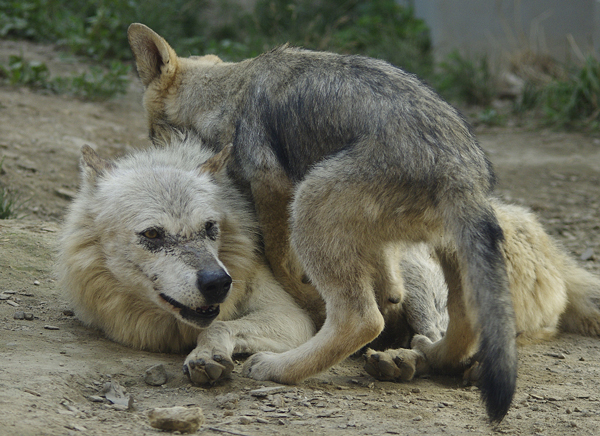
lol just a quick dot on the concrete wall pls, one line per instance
(561, 28)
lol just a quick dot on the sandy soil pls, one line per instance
(52, 369)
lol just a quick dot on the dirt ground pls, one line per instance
(52, 369)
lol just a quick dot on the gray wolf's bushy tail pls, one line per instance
(486, 285)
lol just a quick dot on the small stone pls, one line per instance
(67, 194)
(418, 418)
(277, 401)
(416, 390)
(245, 420)
(262, 420)
(96, 399)
(68, 312)
(263, 392)
(156, 375)
(4, 296)
(29, 316)
(19, 315)
(227, 401)
(12, 303)
(182, 419)
(51, 327)
(36, 282)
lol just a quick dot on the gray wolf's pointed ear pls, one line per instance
(153, 55)
(217, 164)
(92, 165)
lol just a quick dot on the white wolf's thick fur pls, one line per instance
(115, 281)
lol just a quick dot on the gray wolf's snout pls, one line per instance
(213, 285)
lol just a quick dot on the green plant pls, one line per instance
(465, 80)
(96, 84)
(379, 28)
(490, 117)
(21, 72)
(575, 101)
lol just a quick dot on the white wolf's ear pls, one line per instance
(153, 55)
(92, 165)
(217, 164)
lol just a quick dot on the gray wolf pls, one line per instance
(349, 162)
(160, 251)
(346, 157)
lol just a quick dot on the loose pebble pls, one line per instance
(156, 375)
(182, 419)
(51, 327)
(19, 315)
(263, 392)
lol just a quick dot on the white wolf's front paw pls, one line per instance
(262, 366)
(206, 368)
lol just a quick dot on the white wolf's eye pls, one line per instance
(211, 229)
(151, 234)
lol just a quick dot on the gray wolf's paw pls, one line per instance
(204, 368)
(400, 364)
(262, 366)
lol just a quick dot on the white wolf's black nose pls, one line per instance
(213, 285)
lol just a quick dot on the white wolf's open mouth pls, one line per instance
(202, 314)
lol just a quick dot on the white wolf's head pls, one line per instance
(159, 220)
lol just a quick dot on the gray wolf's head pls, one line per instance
(158, 220)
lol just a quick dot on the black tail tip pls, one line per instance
(497, 392)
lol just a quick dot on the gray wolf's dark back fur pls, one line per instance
(345, 102)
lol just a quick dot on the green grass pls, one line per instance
(99, 83)
(465, 80)
(377, 28)
(574, 102)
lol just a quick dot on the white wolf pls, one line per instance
(159, 251)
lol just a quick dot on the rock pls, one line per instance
(245, 420)
(182, 419)
(263, 392)
(227, 401)
(67, 194)
(51, 327)
(29, 316)
(19, 315)
(115, 393)
(156, 375)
